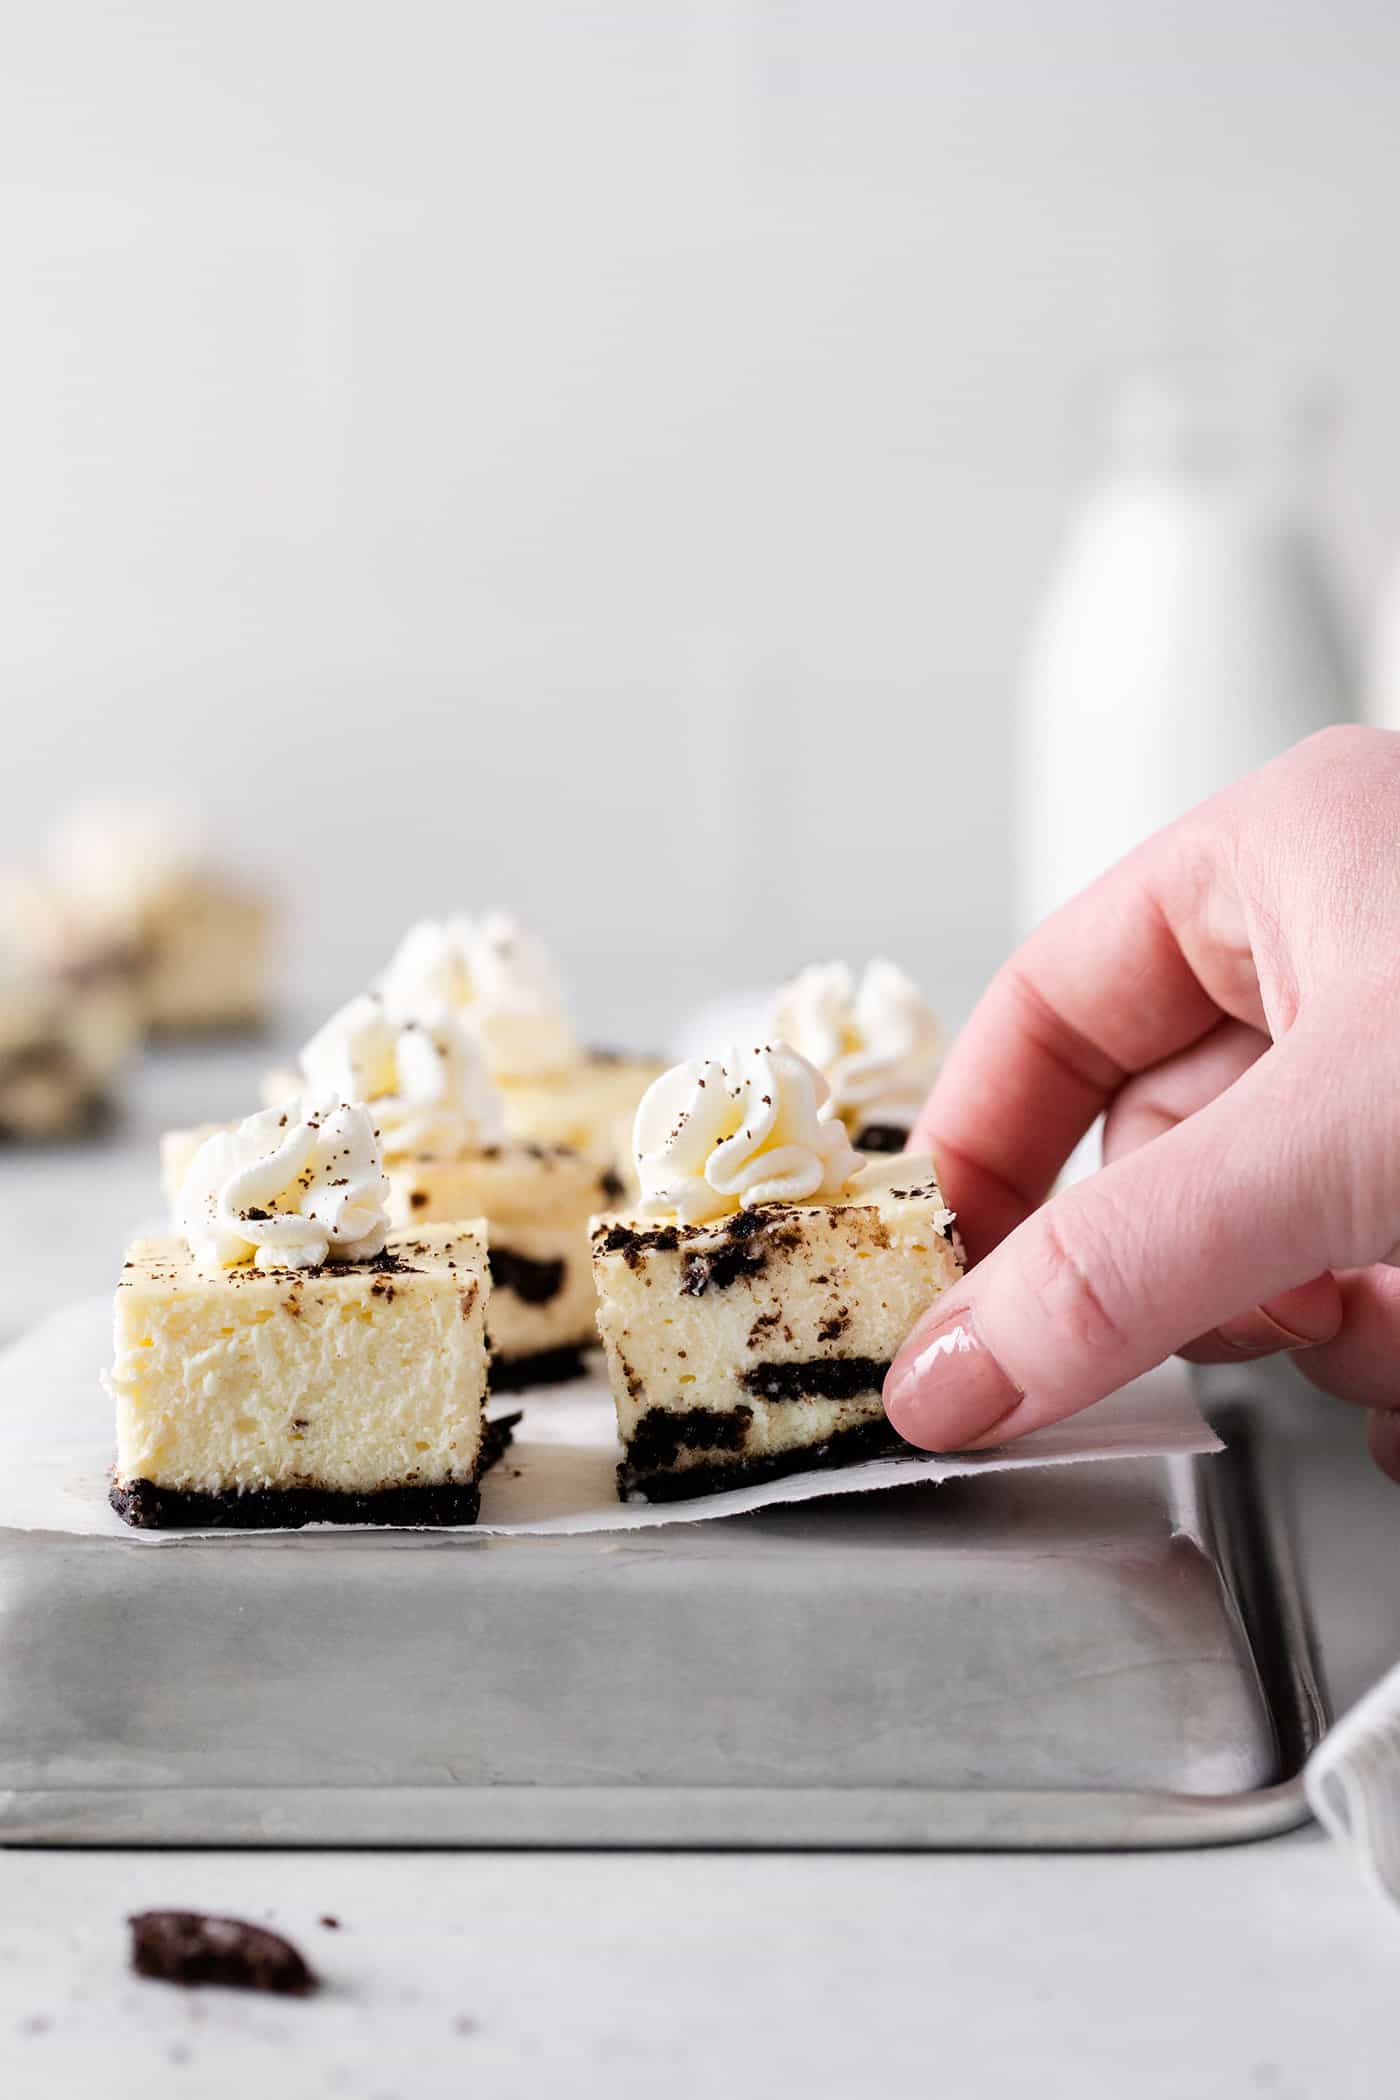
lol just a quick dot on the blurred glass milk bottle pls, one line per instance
(1188, 633)
(1383, 660)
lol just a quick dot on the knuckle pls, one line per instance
(1337, 740)
(1341, 744)
(1071, 1282)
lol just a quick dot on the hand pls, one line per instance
(1229, 995)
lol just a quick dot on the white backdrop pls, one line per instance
(601, 458)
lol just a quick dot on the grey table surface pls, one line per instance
(1264, 1969)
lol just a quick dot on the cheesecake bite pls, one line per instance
(752, 1304)
(200, 937)
(69, 1018)
(56, 1076)
(288, 1359)
(447, 1157)
(873, 1039)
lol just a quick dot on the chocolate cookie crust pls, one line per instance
(148, 1506)
(847, 1447)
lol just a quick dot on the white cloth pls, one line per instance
(1353, 1784)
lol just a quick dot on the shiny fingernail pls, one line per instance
(945, 1389)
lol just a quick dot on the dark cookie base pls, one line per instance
(147, 1506)
(184, 1946)
(847, 1447)
(514, 1374)
(150, 1507)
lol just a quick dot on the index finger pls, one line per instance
(1132, 971)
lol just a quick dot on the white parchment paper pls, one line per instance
(558, 1475)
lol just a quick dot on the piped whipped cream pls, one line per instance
(425, 1079)
(288, 1188)
(718, 1135)
(877, 1042)
(499, 982)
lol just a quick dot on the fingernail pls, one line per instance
(1257, 1333)
(945, 1389)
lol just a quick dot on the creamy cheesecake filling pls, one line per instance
(590, 1107)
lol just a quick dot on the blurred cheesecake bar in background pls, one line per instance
(289, 1359)
(447, 1156)
(873, 1039)
(752, 1303)
(56, 1073)
(200, 938)
(503, 987)
(69, 1012)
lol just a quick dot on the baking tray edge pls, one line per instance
(1243, 1500)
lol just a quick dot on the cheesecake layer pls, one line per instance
(537, 1201)
(352, 1380)
(588, 1107)
(766, 1337)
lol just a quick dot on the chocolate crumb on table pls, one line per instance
(189, 1947)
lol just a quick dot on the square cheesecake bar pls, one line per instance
(135, 872)
(347, 1392)
(757, 1344)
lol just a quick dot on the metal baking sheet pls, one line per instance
(1112, 1656)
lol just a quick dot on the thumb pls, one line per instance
(1104, 1281)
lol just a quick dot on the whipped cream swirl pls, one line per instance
(288, 1188)
(499, 982)
(877, 1042)
(724, 1134)
(431, 1093)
